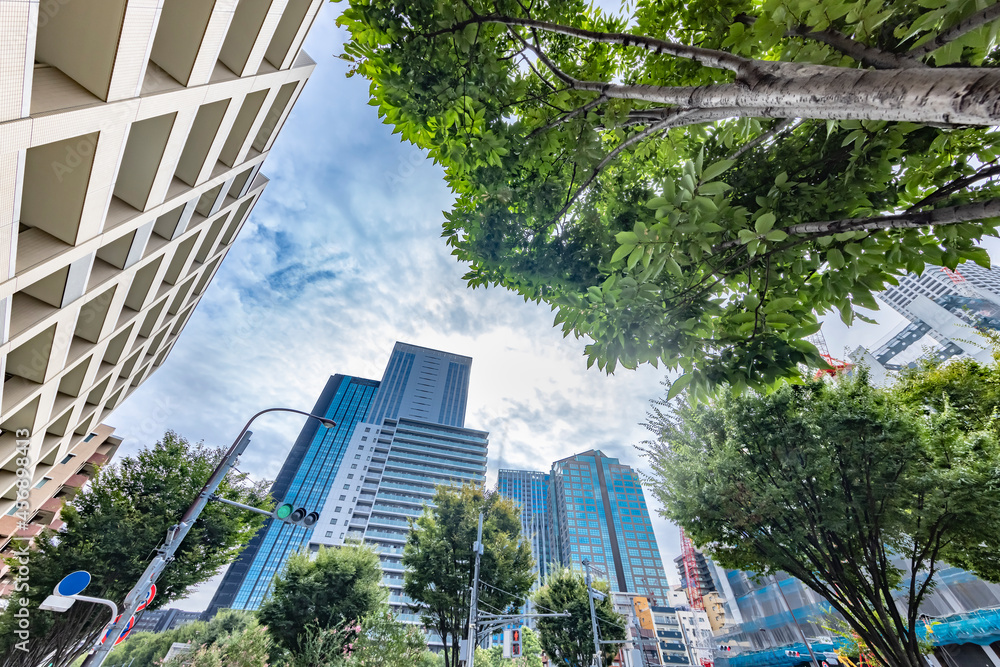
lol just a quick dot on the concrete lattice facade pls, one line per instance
(131, 138)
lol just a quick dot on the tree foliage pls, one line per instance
(569, 642)
(531, 649)
(337, 587)
(147, 649)
(698, 202)
(862, 493)
(439, 561)
(111, 530)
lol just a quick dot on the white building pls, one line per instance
(132, 134)
(947, 306)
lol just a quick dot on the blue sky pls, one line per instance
(342, 257)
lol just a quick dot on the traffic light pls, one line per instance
(792, 654)
(515, 643)
(295, 516)
(725, 648)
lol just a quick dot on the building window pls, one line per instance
(344, 497)
(354, 466)
(90, 437)
(367, 429)
(347, 486)
(357, 456)
(364, 438)
(350, 477)
(333, 522)
(338, 508)
(341, 536)
(42, 482)
(329, 533)
(69, 457)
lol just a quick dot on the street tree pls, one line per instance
(569, 642)
(111, 529)
(862, 493)
(694, 182)
(531, 649)
(336, 587)
(439, 561)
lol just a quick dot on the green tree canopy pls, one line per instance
(531, 649)
(147, 649)
(697, 202)
(569, 642)
(111, 529)
(862, 493)
(438, 559)
(338, 586)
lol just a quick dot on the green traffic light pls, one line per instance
(283, 511)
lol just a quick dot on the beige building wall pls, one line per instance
(716, 610)
(132, 134)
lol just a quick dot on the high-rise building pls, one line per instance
(702, 583)
(413, 440)
(598, 513)
(131, 139)
(946, 305)
(304, 481)
(529, 490)
(62, 480)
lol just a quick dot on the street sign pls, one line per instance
(73, 583)
(125, 632)
(149, 598)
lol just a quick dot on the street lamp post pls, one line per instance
(177, 533)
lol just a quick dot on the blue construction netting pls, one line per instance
(975, 627)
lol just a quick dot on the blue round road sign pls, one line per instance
(73, 583)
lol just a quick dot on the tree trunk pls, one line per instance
(954, 96)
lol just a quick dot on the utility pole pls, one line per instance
(477, 548)
(593, 615)
(177, 533)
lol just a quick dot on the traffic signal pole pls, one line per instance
(177, 533)
(593, 616)
(474, 602)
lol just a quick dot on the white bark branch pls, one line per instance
(943, 216)
(968, 24)
(953, 96)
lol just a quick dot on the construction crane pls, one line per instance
(836, 365)
(690, 560)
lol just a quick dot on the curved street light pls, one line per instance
(177, 533)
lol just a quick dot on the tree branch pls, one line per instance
(951, 188)
(968, 24)
(941, 216)
(569, 116)
(707, 57)
(868, 56)
(662, 125)
(770, 134)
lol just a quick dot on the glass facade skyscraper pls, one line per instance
(530, 489)
(413, 440)
(304, 481)
(598, 512)
(408, 428)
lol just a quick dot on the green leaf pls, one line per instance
(716, 169)
(764, 223)
(835, 258)
(621, 252)
(714, 188)
(678, 385)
